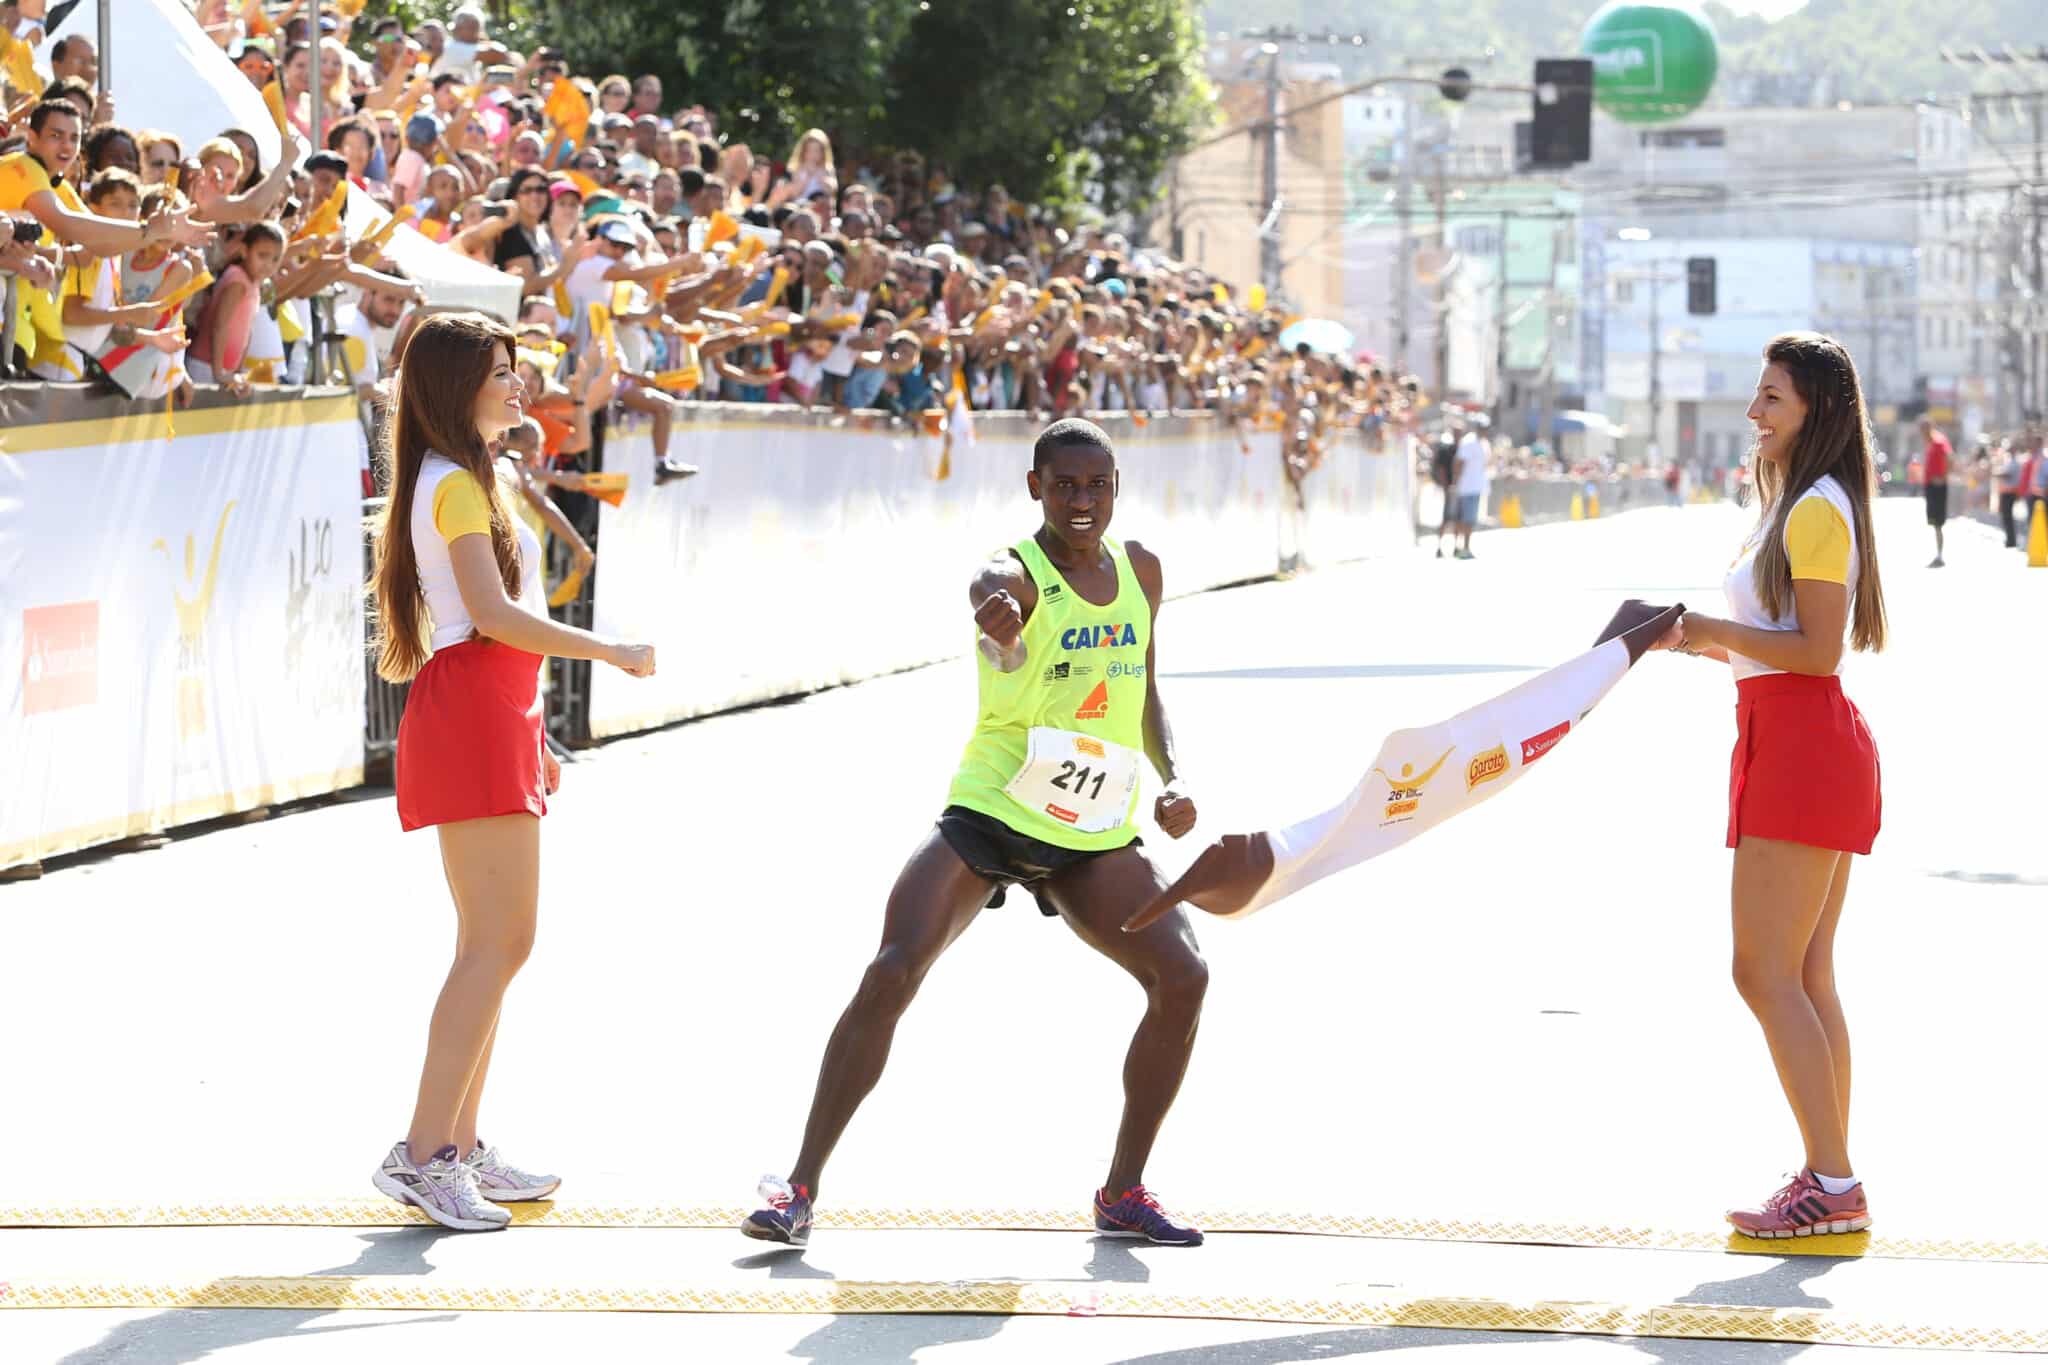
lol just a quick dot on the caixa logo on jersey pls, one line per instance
(1100, 637)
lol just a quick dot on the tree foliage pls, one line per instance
(770, 68)
(1055, 98)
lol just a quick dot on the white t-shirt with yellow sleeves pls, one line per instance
(1820, 540)
(448, 502)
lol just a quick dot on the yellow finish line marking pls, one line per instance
(1012, 1298)
(383, 1213)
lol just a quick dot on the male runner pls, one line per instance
(1046, 797)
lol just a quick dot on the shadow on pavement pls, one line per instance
(896, 1338)
(181, 1335)
(1780, 1284)
(1978, 878)
(1335, 1343)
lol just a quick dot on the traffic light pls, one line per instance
(1699, 285)
(1455, 84)
(1561, 131)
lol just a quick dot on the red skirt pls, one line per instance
(469, 743)
(1805, 767)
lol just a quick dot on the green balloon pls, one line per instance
(1651, 62)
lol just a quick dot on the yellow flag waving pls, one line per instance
(18, 61)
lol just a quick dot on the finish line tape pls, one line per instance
(379, 1213)
(1015, 1298)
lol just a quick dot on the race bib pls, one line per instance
(1079, 780)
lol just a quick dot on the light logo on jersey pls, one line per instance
(1099, 637)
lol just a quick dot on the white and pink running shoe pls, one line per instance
(445, 1189)
(503, 1183)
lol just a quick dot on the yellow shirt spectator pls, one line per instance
(36, 313)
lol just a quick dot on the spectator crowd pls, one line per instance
(659, 260)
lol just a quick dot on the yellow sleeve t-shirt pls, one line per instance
(37, 322)
(1820, 542)
(449, 503)
(1817, 541)
(460, 508)
(21, 176)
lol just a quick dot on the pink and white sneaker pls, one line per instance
(499, 1181)
(1804, 1209)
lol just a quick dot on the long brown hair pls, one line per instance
(1834, 439)
(442, 366)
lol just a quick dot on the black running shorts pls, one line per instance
(1937, 503)
(993, 850)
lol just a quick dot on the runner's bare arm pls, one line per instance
(1174, 810)
(1003, 597)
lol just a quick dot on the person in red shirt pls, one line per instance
(1934, 473)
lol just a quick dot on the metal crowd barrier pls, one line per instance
(383, 702)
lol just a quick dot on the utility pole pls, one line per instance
(1443, 280)
(1269, 184)
(1405, 271)
(1656, 280)
(1547, 433)
(1655, 447)
(317, 352)
(2038, 342)
(2033, 366)
(1500, 340)
(106, 35)
(1404, 267)
(1271, 37)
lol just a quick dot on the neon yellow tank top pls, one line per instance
(1084, 672)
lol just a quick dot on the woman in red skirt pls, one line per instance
(1803, 791)
(462, 616)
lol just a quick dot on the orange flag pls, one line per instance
(568, 112)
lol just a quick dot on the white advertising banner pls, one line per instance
(1358, 502)
(789, 502)
(181, 620)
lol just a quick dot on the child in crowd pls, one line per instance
(157, 365)
(89, 294)
(409, 177)
(230, 315)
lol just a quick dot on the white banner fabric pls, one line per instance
(168, 75)
(181, 619)
(789, 501)
(452, 281)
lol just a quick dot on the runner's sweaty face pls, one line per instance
(1077, 487)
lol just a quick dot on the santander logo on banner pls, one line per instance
(60, 657)
(1535, 746)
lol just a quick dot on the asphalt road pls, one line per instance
(1523, 1017)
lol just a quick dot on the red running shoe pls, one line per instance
(1804, 1209)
